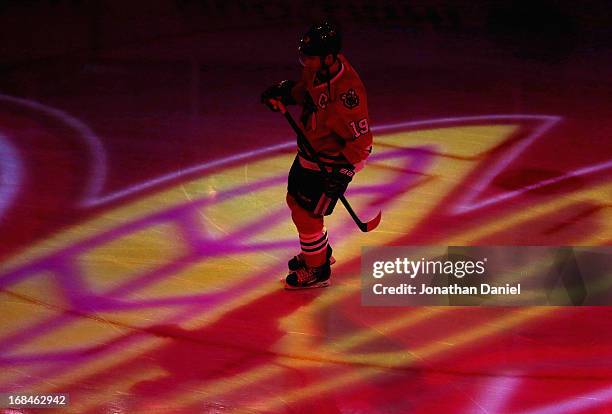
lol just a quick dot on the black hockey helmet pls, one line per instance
(321, 40)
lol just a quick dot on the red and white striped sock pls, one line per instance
(314, 247)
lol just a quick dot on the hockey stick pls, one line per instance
(303, 141)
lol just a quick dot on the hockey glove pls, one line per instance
(336, 182)
(279, 92)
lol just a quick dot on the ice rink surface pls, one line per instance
(143, 228)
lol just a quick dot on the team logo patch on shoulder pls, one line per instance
(350, 99)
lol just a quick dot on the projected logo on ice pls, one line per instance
(176, 276)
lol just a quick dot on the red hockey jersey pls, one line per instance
(335, 115)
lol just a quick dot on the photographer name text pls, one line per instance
(423, 289)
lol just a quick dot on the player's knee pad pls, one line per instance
(291, 202)
(305, 221)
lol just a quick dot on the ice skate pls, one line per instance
(307, 277)
(298, 261)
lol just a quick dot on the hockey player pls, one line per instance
(335, 121)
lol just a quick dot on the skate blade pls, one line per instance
(312, 286)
